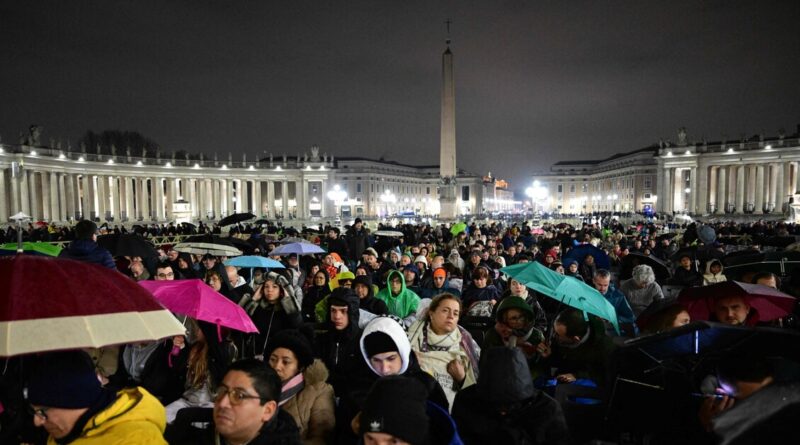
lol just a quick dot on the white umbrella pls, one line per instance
(392, 233)
(207, 248)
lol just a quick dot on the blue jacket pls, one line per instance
(621, 306)
(88, 251)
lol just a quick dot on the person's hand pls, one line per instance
(544, 350)
(711, 407)
(566, 378)
(456, 370)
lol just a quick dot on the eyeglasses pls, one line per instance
(236, 396)
(38, 412)
(166, 275)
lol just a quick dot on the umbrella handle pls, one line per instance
(219, 332)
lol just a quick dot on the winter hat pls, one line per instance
(296, 341)
(371, 251)
(366, 280)
(378, 343)
(421, 259)
(440, 272)
(64, 379)
(412, 268)
(342, 296)
(358, 220)
(396, 405)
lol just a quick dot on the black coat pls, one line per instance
(505, 385)
(280, 430)
(158, 378)
(357, 243)
(341, 350)
(269, 321)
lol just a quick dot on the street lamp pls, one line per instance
(338, 196)
(387, 197)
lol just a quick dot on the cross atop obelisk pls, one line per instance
(447, 144)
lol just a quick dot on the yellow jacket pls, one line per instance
(135, 417)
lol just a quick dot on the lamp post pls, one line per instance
(338, 196)
(387, 197)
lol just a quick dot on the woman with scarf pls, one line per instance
(273, 308)
(444, 349)
(304, 393)
(186, 266)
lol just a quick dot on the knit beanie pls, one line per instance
(378, 343)
(296, 341)
(64, 379)
(366, 280)
(395, 405)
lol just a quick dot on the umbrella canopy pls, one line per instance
(207, 248)
(390, 233)
(768, 302)
(458, 228)
(33, 248)
(538, 231)
(293, 239)
(188, 224)
(230, 241)
(254, 261)
(78, 305)
(127, 244)
(780, 263)
(235, 218)
(631, 260)
(195, 299)
(578, 253)
(260, 222)
(568, 290)
(298, 248)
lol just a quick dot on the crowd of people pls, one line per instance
(417, 335)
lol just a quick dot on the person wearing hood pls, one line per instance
(713, 273)
(444, 349)
(386, 351)
(185, 266)
(518, 289)
(571, 269)
(401, 301)
(319, 289)
(439, 284)
(273, 308)
(66, 399)
(686, 274)
(396, 411)
(365, 291)
(412, 276)
(339, 346)
(481, 288)
(304, 392)
(504, 406)
(84, 247)
(514, 327)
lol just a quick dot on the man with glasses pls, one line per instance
(246, 407)
(164, 272)
(66, 399)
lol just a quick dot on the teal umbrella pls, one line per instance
(567, 290)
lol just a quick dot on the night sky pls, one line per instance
(536, 82)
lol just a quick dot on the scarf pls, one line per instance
(293, 386)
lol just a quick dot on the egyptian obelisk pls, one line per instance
(447, 144)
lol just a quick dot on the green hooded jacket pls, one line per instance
(403, 304)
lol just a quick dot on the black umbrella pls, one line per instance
(127, 244)
(780, 263)
(664, 236)
(235, 218)
(631, 260)
(260, 222)
(188, 224)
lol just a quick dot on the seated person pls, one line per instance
(514, 327)
(641, 289)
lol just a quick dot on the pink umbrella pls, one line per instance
(196, 299)
(769, 303)
(537, 231)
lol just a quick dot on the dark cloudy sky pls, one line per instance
(537, 82)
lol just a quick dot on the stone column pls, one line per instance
(323, 196)
(215, 190)
(229, 184)
(305, 199)
(117, 207)
(46, 208)
(772, 182)
(668, 190)
(759, 189)
(87, 209)
(170, 199)
(693, 187)
(3, 201)
(52, 182)
(129, 206)
(285, 198)
(33, 195)
(24, 203)
(258, 207)
(702, 190)
(147, 194)
(780, 189)
(741, 189)
(194, 202)
(298, 198)
(14, 204)
(721, 189)
(270, 199)
(70, 194)
(796, 184)
(713, 187)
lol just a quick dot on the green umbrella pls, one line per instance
(32, 247)
(568, 290)
(458, 228)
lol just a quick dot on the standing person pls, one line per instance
(84, 247)
(336, 244)
(67, 400)
(357, 241)
(304, 391)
